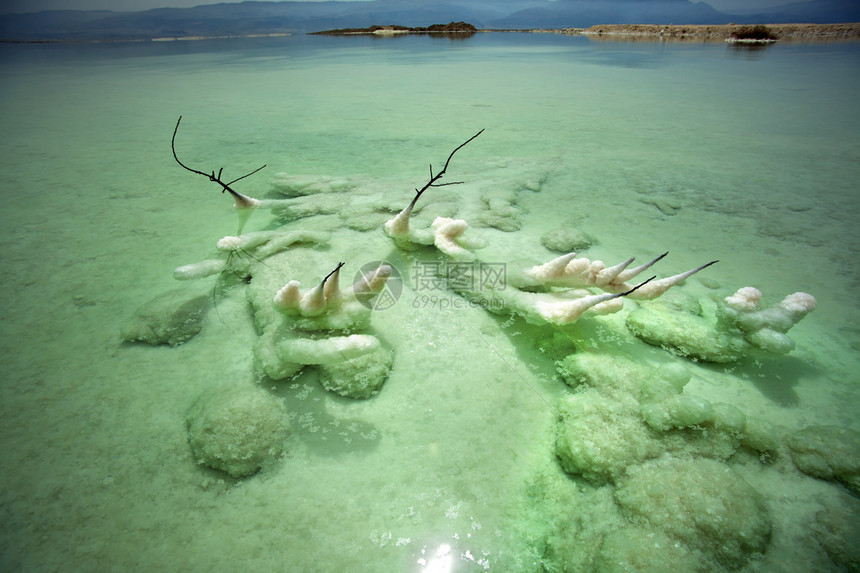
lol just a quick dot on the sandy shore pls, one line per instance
(708, 33)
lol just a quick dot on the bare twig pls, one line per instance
(435, 178)
(211, 176)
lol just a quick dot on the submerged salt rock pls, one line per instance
(599, 437)
(837, 530)
(170, 318)
(298, 185)
(685, 333)
(237, 429)
(642, 550)
(612, 375)
(701, 502)
(499, 211)
(567, 240)
(828, 452)
(360, 376)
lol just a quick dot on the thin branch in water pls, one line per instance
(246, 175)
(240, 199)
(435, 178)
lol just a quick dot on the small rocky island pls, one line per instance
(459, 28)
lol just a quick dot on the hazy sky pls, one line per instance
(14, 6)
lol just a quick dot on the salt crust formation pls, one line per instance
(837, 529)
(626, 430)
(566, 240)
(702, 503)
(645, 550)
(241, 253)
(574, 275)
(312, 331)
(355, 366)
(170, 318)
(662, 454)
(649, 459)
(624, 414)
(729, 329)
(237, 430)
(829, 453)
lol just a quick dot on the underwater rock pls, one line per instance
(611, 375)
(760, 435)
(837, 529)
(684, 333)
(829, 453)
(598, 437)
(664, 405)
(499, 210)
(685, 424)
(641, 550)
(567, 240)
(358, 377)
(702, 503)
(170, 318)
(237, 429)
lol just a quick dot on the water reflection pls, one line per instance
(441, 561)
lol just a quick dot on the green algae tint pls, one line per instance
(479, 451)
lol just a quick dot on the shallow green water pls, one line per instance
(750, 157)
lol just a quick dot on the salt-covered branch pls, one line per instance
(570, 271)
(244, 251)
(398, 227)
(326, 307)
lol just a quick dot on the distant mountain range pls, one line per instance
(248, 18)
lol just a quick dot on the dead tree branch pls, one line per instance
(438, 176)
(240, 199)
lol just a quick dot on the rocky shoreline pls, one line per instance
(645, 32)
(391, 30)
(720, 33)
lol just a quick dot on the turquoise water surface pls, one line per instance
(709, 152)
